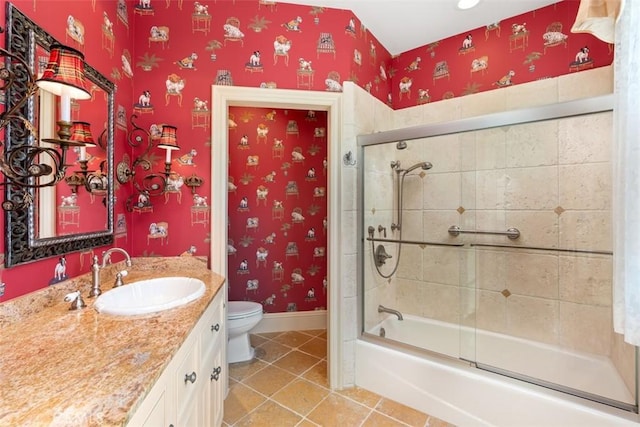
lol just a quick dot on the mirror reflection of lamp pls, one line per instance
(168, 141)
(81, 134)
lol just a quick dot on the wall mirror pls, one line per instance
(49, 227)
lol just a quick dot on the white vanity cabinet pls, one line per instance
(190, 391)
(214, 356)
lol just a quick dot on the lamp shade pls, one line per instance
(64, 73)
(168, 138)
(81, 132)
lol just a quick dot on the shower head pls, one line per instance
(401, 145)
(423, 165)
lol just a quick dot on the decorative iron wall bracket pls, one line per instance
(146, 182)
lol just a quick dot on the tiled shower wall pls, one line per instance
(550, 179)
(362, 114)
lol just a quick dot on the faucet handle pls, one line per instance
(75, 298)
(119, 277)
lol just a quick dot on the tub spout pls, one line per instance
(383, 309)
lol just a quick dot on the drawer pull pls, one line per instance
(215, 327)
(191, 377)
(216, 373)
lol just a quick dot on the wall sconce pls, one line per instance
(153, 183)
(36, 166)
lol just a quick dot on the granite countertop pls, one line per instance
(82, 368)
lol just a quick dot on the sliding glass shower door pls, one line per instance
(499, 253)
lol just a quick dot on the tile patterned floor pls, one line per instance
(286, 385)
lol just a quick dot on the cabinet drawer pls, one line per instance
(188, 378)
(213, 329)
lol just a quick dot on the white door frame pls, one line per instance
(225, 96)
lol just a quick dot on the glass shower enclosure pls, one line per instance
(489, 240)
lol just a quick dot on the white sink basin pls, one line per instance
(150, 296)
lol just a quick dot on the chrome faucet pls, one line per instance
(96, 267)
(383, 309)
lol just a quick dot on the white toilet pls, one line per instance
(242, 316)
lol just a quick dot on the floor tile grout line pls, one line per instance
(298, 413)
(307, 420)
(397, 419)
(266, 399)
(318, 404)
(290, 350)
(300, 377)
(269, 398)
(296, 377)
(311, 355)
(366, 418)
(311, 338)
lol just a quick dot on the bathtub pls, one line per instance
(458, 392)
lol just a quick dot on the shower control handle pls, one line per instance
(381, 256)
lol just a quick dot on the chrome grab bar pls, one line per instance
(413, 242)
(512, 233)
(540, 248)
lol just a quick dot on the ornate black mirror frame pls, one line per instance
(21, 245)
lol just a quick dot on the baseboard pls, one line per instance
(292, 321)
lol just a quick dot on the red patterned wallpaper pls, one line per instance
(164, 55)
(278, 208)
(184, 47)
(532, 46)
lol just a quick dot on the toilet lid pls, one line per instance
(241, 309)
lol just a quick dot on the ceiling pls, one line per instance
(402, 25)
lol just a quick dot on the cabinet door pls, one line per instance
(213, 328)
(214, 394)
(157, 415)
(190, 392)
(155, 410)
(194, 412)
(189, 383)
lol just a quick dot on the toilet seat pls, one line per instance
(243, 309)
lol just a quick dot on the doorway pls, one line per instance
(224, 97)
